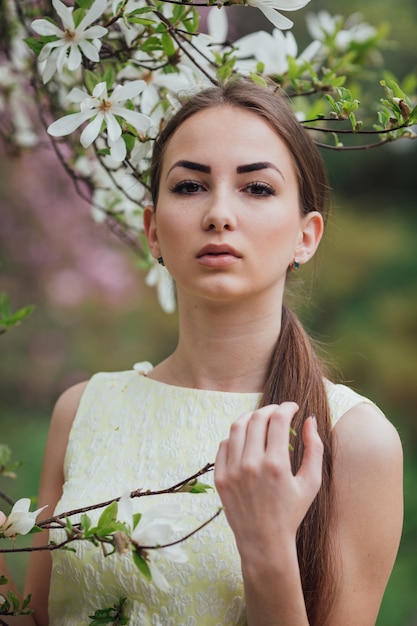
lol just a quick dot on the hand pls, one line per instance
(264, 502)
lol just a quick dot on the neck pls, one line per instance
(222, 347)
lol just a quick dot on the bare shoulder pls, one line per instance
(368, 512)
(67, 405)
(365, 437)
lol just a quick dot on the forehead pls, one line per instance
(230, 134)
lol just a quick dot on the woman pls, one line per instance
(239, 195)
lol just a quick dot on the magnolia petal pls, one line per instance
(100, 90)
(311, 52)
(95, 32)
(113, 127)
(217, 24)
(127, 91)
(21, 506)
(91, 132)
(61, 58)
(90, 51)
(49, 47)
(117, 149)
(78, 95)
(93, 13)
(45, 28)
(49, 66)
(278, 20)
(125, 510)
(291, 47)
(74, 58)
(67, 124)
(158, 578)
(138, 120)
(65, 13)
(166, 292)
(286, 5)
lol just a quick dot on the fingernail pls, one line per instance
(314, 420)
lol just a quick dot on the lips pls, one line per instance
(218, 250)
(217, 256)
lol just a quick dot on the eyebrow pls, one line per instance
(240, 169)
(191, 165)
(254, 167)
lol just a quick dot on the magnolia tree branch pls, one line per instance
(187, 485)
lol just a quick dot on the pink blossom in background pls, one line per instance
(47, 230)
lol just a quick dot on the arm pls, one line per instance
(368, 511)
(265, 504)
(52, 479)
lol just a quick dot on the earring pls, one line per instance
(294, 266)
(161, 261)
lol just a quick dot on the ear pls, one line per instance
(310, 235)
(149, 225)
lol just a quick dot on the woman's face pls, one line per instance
(228, 222)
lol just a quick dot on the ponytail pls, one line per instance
(295, 373)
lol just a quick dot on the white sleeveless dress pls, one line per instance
(133, 432)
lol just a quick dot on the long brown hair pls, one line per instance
(294, 371)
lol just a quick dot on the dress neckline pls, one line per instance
(144, 367)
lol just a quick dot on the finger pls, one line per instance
(310, 471)
(279, 428)
(220, 464)
(257, 431)
(237, 439)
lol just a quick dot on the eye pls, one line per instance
(187, 187)
(259, 189)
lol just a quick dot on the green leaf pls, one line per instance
(14, 599)
(5, 454)
(34, 44)
(9, 319)
(200, 488)
(26, 602)
(144, 21)
(109, 76)
(109, 515)
(91, 79)
(129, 141)
(84, 4)
(142, 565)
(136, 519)
(168, 45)
(78, 15)
(258, 80)
(3, 580)
(85, 523)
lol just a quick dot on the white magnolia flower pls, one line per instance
(160, 278)
(323, 25)
(272, 50)
(103, 109)
(21, 520)
(270, 9)
(72, 40)
(355, 31)
(157, 526)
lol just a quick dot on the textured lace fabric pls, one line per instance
(133, 432)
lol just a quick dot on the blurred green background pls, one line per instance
(94, 312)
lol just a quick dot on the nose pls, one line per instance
(218, 215)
